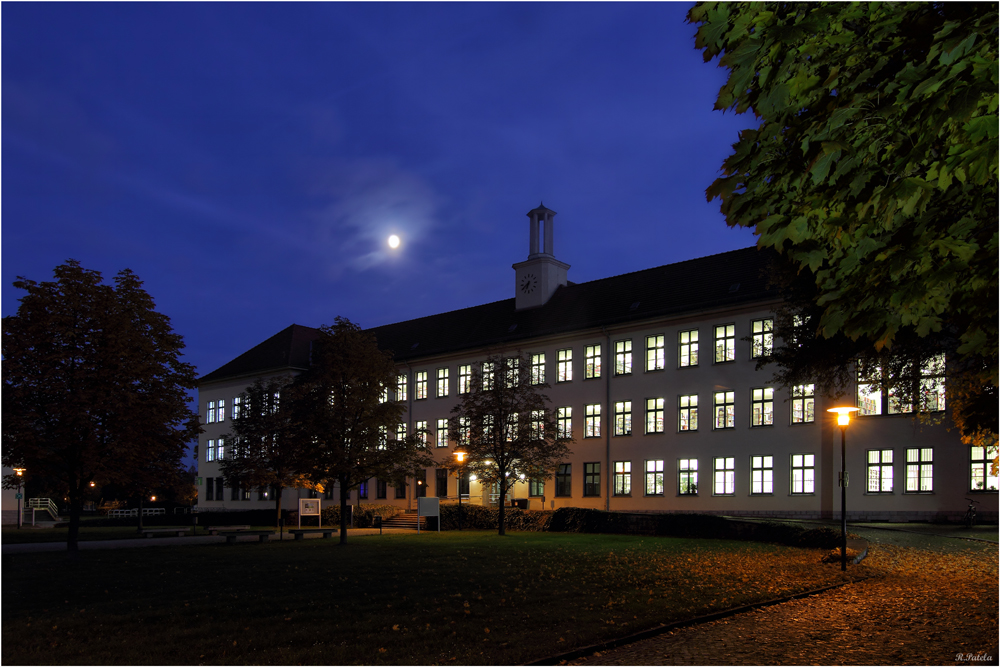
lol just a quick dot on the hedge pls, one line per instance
(363, 514)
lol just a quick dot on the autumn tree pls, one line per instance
(506, 428)
(873, 172)
(267, 448)
(343, 405)
(94, 388)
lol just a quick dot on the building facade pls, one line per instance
(654, 375)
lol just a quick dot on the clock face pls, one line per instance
(528, 283)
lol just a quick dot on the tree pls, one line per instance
(506, 428)
(268, 451)
(343, 406)
(94, 388)
(873, 170)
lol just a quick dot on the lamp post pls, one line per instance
(843, 420)
(20, 494)
(460, 457)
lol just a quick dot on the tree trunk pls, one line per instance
(277, 504)
(344, 495)
(73, 534)
(502, 502)
(139, 524)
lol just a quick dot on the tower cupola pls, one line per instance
(537, 278)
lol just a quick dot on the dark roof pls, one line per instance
(726, 279)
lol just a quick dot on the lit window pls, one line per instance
(725, 476)
(237, 404)
(761, 338)
(442, 382)
(761, 475)
(565, 365)
(591, 479)
(762, 407)
(464, 430)
(564, 422)
(564, 479)
(932, 396)
(442, 433)
(210, 413)
(725, 409)
(919, 470)
(420, 428)
(803, 473)
(654, 415)
(487, 428)
(623, 478)
(592, 362)
(538, 368)
(221, 411)
(401, 387)
(725, 343)
(512, 372)
(210, 451)
(538, 424)
(687, 348)
(623, 418)
(655, 355)
(536, 487)
(363, 490)
(400, 432)
(982, 480)
(593, 421)
(879, 471)
(487, 376)
(874, 400)
(623, 357)
(654, 478)
(511, 433)
(384, 396)
(420, 385)
(465, 379)
(803, 404)
(383, 437)
(687, 477)
(687, 413)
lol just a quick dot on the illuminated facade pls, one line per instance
(653, 373)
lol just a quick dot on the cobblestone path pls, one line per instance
(933, 602)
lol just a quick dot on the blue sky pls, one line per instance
(248, 161)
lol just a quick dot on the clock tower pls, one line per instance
(537, 278)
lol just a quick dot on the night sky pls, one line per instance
(249, 161)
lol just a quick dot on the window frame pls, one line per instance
(655, 415)
(728, 476)
(623, 357)
(686, 410)
(761, 407)
(564, 480)
(762, 475)
(686, 349)
(879, 468)
(761, 341)
(420, 385)
(538, 368)
(622, 479)
(592, 479)
(564, 365)
(623, 418)
(728, 340)
(592, 420)
(443, 382)
(656, 353)
(803, 404)
(442, 434)
(807, 468)
(983, 460)
(402, 380)
(564, 421)
(464, 378)
(687, 473)
(920, 466)
(729, 410)
(653, 478)
(592, 361)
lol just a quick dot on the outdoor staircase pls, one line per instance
(44, 505)
(405, 521)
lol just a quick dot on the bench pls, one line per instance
(212, 530)
(231, 536)
(180, 532)
(300, 533)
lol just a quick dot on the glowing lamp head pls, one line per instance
(152, 498)
(20, 471)
(460, 455)
(91, 485)
(843, 415)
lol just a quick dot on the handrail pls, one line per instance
(45, 504)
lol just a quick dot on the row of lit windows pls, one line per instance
(655, 360)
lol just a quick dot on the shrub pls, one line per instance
(363, 514)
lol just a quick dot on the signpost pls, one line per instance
(310, 507)
(429, 507)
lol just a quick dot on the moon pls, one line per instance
(393, 241)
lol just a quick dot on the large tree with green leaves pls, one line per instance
(344, 409)
(266, 445)
(506, 428)
(873, 172)
(94, 387)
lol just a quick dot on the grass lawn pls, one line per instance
(463, 598)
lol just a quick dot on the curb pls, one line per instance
(698, 620)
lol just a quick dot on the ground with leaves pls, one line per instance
(930, 600)
(449, 598)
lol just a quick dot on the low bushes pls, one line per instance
(579, 520)
(364, 515)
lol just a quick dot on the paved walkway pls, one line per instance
(89, 545)
(932, 600)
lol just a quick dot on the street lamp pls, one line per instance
(460, 457)
(20, 494)
(843, 420)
